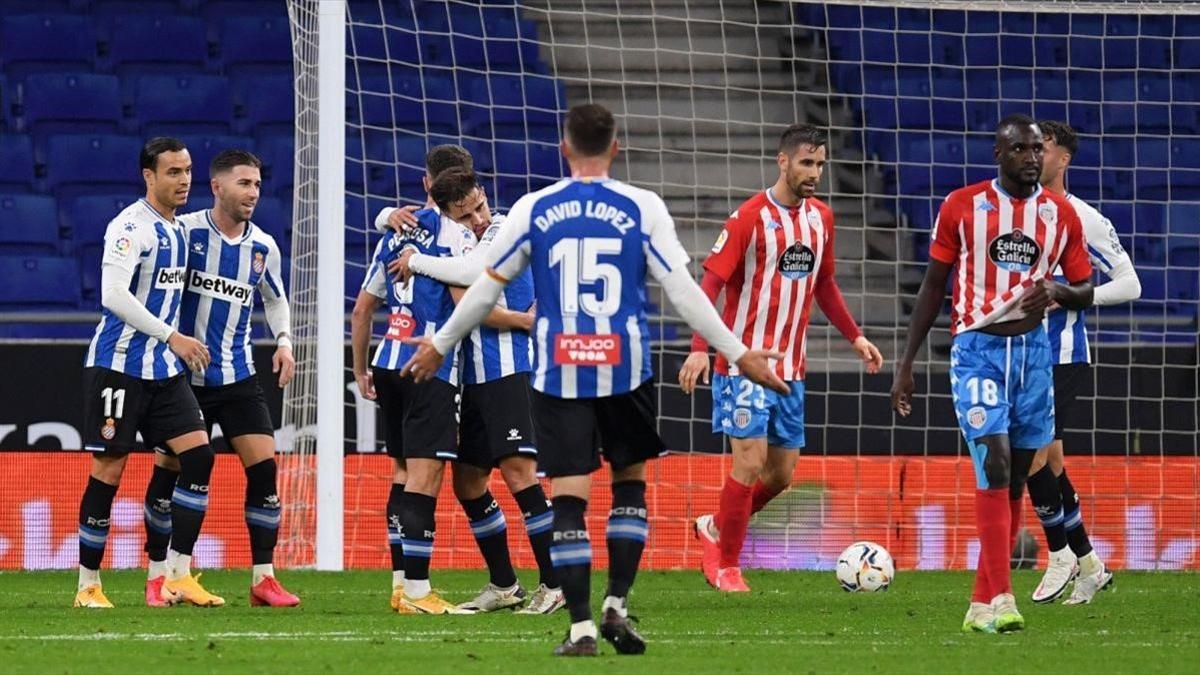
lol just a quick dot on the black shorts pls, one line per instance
(117, 406)
(240, 408)
(1070, 380)
(495, 421)
(573, 433)
(420, 421)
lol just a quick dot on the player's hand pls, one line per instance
(694, 368)
(1038, 297)
(399, 268)
(528, 317)
(902, 391)
(283, 363)
(366, 385)
(425, 363)
(191, 351)
(402, 219)
(757, 366)
(869, 354)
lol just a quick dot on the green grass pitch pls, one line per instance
(794, 622)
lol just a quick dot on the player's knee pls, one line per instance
(631, 472)
(200, 457)
(108, 469)
(518, 473)
(996, 468)
(469, 482)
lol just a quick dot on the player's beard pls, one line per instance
(799, 188)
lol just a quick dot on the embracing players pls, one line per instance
(1054, 498)
(420, 419)
(775, 255)
(590, 242)
(496, 430)
(134, 377)
(1006, 237)
(229, 257)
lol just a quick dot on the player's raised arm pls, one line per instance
(506, 258)
(667, 262)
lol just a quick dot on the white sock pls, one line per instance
(261, 571)
(158, 568)
(416, 589)
(88, 577)
(1090, 564)
(181, 566)
(397, 579)
(583, 629)
(613, 602)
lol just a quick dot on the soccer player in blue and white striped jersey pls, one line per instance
(590, 242)
(229, 258)
(134, 377)
(1053, 496)
(420, 425)
(496, 429)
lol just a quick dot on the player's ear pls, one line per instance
(147, 175)
(426, 183)
(616, 147)
(564, 148)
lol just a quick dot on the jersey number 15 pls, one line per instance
(578, 262)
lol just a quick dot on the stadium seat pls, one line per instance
(16, 170)
(135, 44)
(39, 282)
(5, 102)
(264, 101)
(79, 164)
(1183, 219)
(1187, 54)
(35, 43)
(193, 103)
(28, 225)
(203, 148)
(163, 8)
(86, 218)
(72, 103)
(275, 218)
(1154, 53)
(256, 40)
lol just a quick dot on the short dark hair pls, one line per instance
(801, 134)
(1014, 120)
(448, 156)
(1064, 136)
(227, 159)
(590, 129)
(452, 186)
(157, 146)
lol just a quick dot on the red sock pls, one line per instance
(1014, 510)
(760, 497)
(983, 590)
(992, 521)
(733, 518)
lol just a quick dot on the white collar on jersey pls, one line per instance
(158, 215)
(237, 240)
(1000, 191)
(771, 198)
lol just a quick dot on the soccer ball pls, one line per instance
(865, 566)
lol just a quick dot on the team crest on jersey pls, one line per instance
(258, 263)
(741, 418)
(977, 417)
(797, 261)
(1014, 251)
(814, 219)
(130, 227)
(1048, 214)
(721, 239)
(109, 430)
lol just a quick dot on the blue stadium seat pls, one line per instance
(28, 225)
(1185, 154)
(1187, 53)
(79, 164)
(264, 101)
(1016, 50)
(203, 148)
(72, 103)
(1016, 84)
(165, 8)
(35, 43)
(1154, 53)
(5, 102)
(256, 40)
(278, 153)
(86, 218)
(879, 112)
(39, 282)
(218, 9)
(275, 218)
(135, 44)
(1185, 184)
(191, 103)
(512, 106)
(16, 171)
(1183, 219)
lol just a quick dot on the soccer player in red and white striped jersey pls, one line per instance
(774, 257)
(1006, 237)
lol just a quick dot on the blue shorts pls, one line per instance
(1003, 385)
(742, 409)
